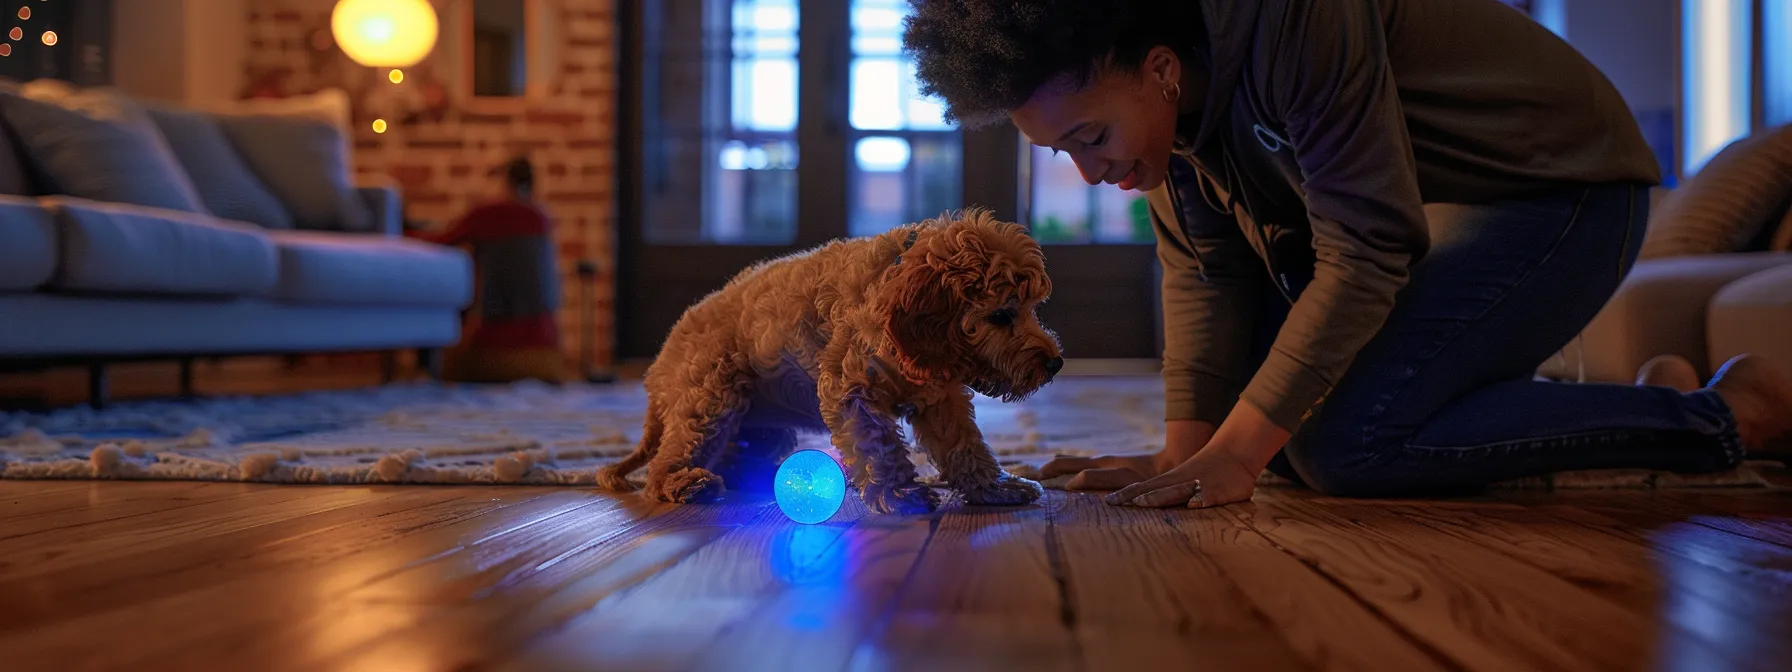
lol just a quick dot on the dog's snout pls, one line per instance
(1054, 365)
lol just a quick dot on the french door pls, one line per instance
(756, 128)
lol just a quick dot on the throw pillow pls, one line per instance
(305, 162)
(98, 145)
(229, 188)
(1725, 207)
(1782, 236)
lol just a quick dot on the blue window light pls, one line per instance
(1776, 43)
(1717, 39)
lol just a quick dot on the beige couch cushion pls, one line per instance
(1753, 315)
(1730, 204)
(27, 244)
(1660, 309)
(108, 247)
(370, 270)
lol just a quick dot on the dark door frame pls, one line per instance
(1104, 299)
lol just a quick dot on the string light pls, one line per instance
(25, 13)
(5, 49)
(396, 76)
(49, 38)
(17, 33)
(379, 125)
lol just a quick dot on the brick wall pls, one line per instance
(442, 156)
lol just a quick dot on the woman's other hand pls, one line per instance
(1182, 440)
(1223, 472)
(1215, 475)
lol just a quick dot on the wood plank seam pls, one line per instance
(1431, 651)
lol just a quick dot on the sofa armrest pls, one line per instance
(1661, 308)
(387, 207)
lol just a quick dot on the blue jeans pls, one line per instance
(1443, 401)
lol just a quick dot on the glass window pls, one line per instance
(1064, 209)
(906, 161)
(720, 167)
(1717, 43)
(1776, 40)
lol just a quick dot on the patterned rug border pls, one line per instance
(536, 434)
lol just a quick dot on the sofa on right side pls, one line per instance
(1714, 279)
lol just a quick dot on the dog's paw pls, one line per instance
(691, 486)
(907, 499)
(1009, 490)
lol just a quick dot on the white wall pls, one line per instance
(179, 50)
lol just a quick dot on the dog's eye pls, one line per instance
(1002, 318)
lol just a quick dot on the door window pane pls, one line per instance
(1776, 40)
(719, 155)
(1064, 209)
(906, 162)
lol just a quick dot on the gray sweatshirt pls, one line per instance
(1327, 125)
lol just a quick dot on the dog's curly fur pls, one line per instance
(851, 338)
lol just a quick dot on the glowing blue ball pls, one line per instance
(809, 486)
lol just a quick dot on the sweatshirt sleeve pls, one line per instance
(1211, 293)
(1335, 94)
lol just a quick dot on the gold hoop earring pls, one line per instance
(1173, 93)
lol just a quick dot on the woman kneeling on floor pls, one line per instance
(1375, 220)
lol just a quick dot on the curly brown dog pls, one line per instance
(851, 338)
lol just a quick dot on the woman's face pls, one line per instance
(1119, 129)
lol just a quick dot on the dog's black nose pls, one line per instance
(1054, 365)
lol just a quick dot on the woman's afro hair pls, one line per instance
(983, 58)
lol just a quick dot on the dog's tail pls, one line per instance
(614, 477)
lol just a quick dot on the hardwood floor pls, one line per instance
(187, 576)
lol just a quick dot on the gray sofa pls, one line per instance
(87, 280)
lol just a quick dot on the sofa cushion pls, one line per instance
(227, 186)
(1660, 309)
(1753, 315)
(305, 162)
(1728, 205)
(63, 324)
(97, 144)
(108, 247)
(27, 244)
(360, 269)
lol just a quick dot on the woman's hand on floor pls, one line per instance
(1217, 476)
(1182, 439)
(1223, 472)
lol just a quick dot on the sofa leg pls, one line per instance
(430, 360)
(186, 378)
(97, 392)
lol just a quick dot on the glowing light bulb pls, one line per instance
(49, 38)
(809, 486)
(379, 125)
(384, 33)
(397, 76)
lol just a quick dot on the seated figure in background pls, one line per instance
(511, 334)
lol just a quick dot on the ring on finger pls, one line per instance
(1195, 499)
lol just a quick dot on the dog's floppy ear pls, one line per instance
(920, 312)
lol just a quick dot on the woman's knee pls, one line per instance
(1354, 459)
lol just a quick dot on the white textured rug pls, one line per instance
(531, 433)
